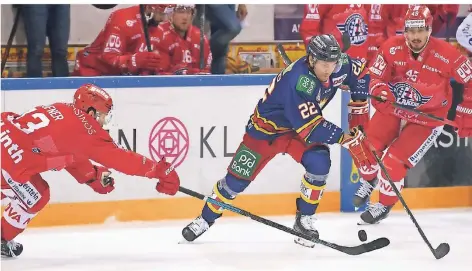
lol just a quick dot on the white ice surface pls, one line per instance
(241, 244)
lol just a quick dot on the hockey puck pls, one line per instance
(362, 235)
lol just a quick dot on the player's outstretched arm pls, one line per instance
(103, 150)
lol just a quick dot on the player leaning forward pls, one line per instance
(64, 136)
(414, 71)
(288, 119)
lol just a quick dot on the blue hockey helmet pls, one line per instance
(324, 47)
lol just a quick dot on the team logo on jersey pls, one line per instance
(169, 138)
(356, 28)
(408, 96)
(337, 81)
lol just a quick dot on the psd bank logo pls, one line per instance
(169, 139)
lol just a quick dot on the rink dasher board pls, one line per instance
(211, 111)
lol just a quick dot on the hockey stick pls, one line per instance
(202, 37)
(10, 38)
(416, 111)
(145, 28)
(356, 250)
(443, 248)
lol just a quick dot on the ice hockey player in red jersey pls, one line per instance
(64, 136)
(414, 71)
(120, 47)
(179, 43)
(336, 20)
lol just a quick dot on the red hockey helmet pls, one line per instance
(418, 16)
(93, 97)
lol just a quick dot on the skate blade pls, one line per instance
(304, 242)
(184, 242)
(362, 223)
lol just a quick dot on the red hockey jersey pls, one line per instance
(337, 19)
(180, 55)
(57, 136)
(110, 53)
(422, 83)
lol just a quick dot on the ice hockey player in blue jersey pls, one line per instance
(289, 119)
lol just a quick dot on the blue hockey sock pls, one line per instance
(225, 190)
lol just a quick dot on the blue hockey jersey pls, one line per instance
(295, 99)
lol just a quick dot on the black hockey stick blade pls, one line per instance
(283, 54)
(356, 250)
(442, 250)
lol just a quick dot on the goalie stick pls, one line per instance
(355, 250)
(443, 248)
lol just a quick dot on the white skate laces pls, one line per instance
(199, 226)
(376, 209)
(365, 189)
(308, 222)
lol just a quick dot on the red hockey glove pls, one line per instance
(169, 181)
(358, 114)
(145, 60)
(102, 183)
(361, 153)
(464, 119)
(383, 91)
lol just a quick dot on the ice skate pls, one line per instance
(375, 213)
(363, 193)
(11, 249)
(196, 228)
(305, 224)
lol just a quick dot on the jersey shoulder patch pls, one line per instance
(305, 84)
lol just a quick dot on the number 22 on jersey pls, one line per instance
(276, 79)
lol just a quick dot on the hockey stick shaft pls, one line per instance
(403, 202)
(145, 27)
(10, 38)
(416, 111)
(202, 37)
(373, 245)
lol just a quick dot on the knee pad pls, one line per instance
(27, 200)
(226, 190)
(317, 160)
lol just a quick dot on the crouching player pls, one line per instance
(288, 119)
(64, 136)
